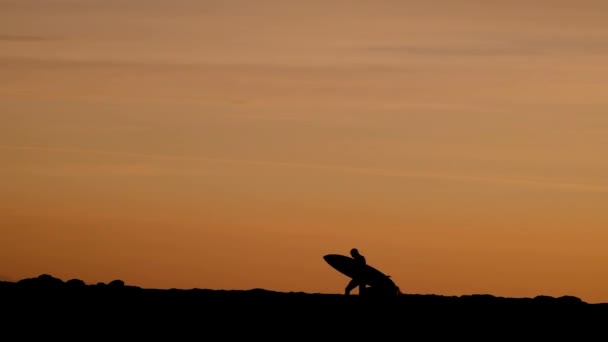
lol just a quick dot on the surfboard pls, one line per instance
(366, 273)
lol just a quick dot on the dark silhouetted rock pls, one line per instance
(570, 300)
(75, 283)
(42, 281)
(117, 283)
(564, 300)
(260, 313)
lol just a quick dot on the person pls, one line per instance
(354, 282)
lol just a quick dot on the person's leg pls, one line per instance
(362, 289)
(351, 285)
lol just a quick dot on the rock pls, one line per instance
(75, 283)
(42, 281)
(117, 283)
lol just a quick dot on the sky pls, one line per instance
(459, 145)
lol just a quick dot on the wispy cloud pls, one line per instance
(5, 278)
(547, 183)
(54, 62)
(502, 47)
(258, 68)
(22, 38)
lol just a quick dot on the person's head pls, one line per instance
(354, 252)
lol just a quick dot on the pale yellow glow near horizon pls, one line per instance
(231, 144)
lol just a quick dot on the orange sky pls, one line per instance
(231, 144)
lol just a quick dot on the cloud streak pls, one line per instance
(501, 47)
(5, 278)
(22, 38)
(546, 183)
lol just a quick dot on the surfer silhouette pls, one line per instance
(355, 281)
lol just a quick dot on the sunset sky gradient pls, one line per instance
(459, 145)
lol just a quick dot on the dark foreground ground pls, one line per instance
(49, 307)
